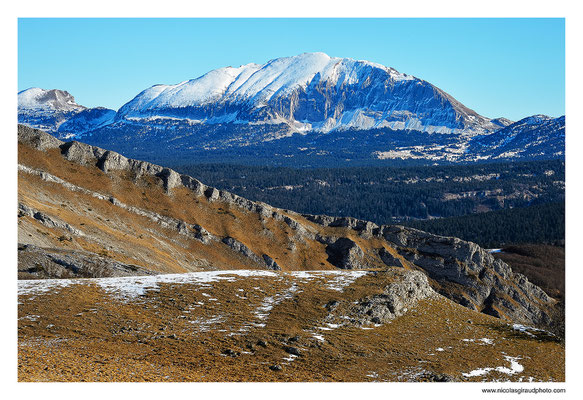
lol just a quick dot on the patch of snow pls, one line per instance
(41, 286)
(204, 324)
(514, 368)
(30, 317)
(344, 279)
(319, 337)
(290, 358)
(483, 340)
(528, 329)
(271, 301)
(130, 287)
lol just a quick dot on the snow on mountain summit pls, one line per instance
(56, 111)
(308, 92)
(253, 82)
(41, 99)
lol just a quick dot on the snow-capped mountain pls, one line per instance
(309, 109)
(308, 92)
(36, 99)
(56, 112)
(46, 109)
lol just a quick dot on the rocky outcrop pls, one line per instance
(36, 263)
(46, 220)
(460, 270)
(37, 139)
(488, 284)
(270, 262)
(389, 259)
(397, 299)
(265, 261)
(108, 161)
(402, 294)
(239, 247)
(345, 254)
(366, 229)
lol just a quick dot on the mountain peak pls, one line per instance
(535, 119)
(54, 99)
(308, 92)
(502, 122)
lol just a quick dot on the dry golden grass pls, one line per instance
(179, 333)
(121, 234)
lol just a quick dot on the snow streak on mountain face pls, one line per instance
(308, 92)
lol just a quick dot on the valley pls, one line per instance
(489, 204)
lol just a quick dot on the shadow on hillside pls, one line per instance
(530, 334)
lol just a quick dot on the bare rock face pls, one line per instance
(170, 178)
(396, 299)
(345, 253)
(364, 228)
(389, 259)
(489, 284)
(112, 161)
(270, 262)
(401, 295)
(81, 153)
(461, 271)
(239, 247)
(51, 222)
(37, 139)
(41, 263)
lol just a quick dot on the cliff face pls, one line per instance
(82, 204)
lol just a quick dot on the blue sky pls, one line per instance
(498, 67)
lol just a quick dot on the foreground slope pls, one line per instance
(85, 211)
(270, 326)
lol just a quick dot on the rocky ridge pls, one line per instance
(459, 270)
